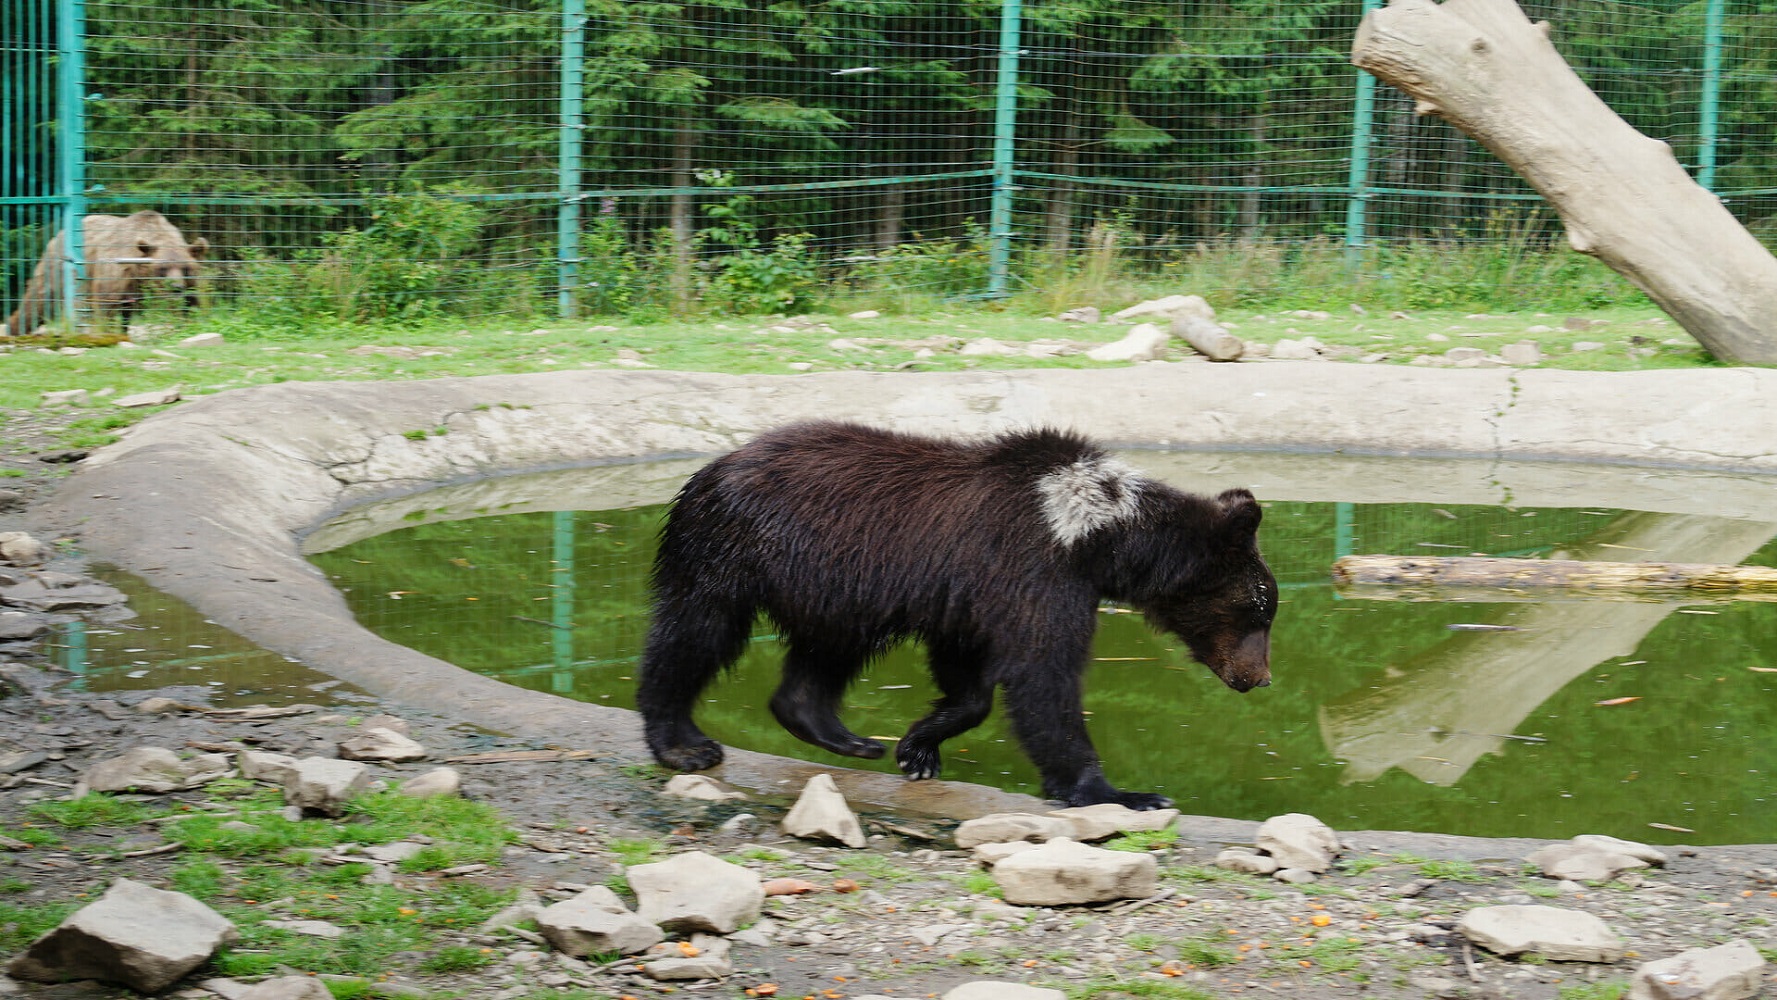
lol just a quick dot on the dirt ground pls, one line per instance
(922, 922)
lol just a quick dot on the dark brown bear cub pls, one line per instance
(995, 554)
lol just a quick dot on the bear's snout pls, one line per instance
(1250, 665)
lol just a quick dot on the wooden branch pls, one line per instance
(1483, 67)
(1572, 574)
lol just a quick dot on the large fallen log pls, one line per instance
(1483, 67)
(1570, 574)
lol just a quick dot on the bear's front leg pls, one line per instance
(1047, 715)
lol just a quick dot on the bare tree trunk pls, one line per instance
(1058, 225)
(1573, 574)
(1482, 66)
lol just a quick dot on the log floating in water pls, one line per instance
(1572, 574)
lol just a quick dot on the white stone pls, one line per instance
(1579, 346)
(991, 989)
(398, 851)
(309, 928)
(701, 787)
(696, 892)
(1556, 934)
(1306, 349)
(1633, 848)
(1732, 971)
(202, 340)
(706, 958)
(64, 397)
(1522, 354)
(1107, 819)
(380, 743)
(157, 397)
(864, 314)
(142, 937)
(1298, 840)
(1063, 872)
(988, 347)
(596, 922)
(821, 813)
(322, 785)
(440, 782)
(1005, 828)
(1295, 876)
(1080, 314)
(1143, 343)
(993, 854)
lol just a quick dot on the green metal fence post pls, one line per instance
(1005, 150)
(71, 147)
(1357, 200)
(1709, 129)
(571, 130)
(561, 593)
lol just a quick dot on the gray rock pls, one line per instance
(821, 813)
(1295, 876)
(988, 347)
(696, 892)
(142, 937)
(64, 397)
(1306, 349)
(1732, 971)
(1079, 314)
(596, 922)
(993, 854)
(1236, 860)
(1460, 355)
(1005, 828)
(394, 853)
(321, 785)
(1634, 849)
(23, 625)
(153, 769)
(1555, 934)
(288, 988)
(526, 907)
(989, 989)
(440, 782)
(1582, 862)
(258, 765)
(202, 340)
(22, 549)
(705, 956)
(1063, 872)
(379, 743)
(1298, 840)
(701, 787)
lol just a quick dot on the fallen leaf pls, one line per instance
(1763, 670)
(789, 887)
(1617, 701)
(844, 885)
(689, 950)
(1674, 829)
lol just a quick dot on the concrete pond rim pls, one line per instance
(211, 500)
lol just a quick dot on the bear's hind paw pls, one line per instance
(696, 757)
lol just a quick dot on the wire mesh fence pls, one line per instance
(369, 160)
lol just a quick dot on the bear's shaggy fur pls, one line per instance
(122, 252)
(995, 554)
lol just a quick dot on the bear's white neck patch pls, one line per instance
(1080, 498)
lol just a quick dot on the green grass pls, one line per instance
(93, 810)
(457, 958)
(1141, 841)
(1608, 990)
(1135, 989)
(1451, 871)
(20, 925)
(635, 851)
(1208, 953)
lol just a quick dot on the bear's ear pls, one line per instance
(200, 249)
(1240, 511)
(145, 248)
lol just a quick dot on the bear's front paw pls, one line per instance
(918, 762)
(697, 756)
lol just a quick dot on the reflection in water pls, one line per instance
(1440, 712)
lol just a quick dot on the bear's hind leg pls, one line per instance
(688, 645)
(807, 702)
(967, 698)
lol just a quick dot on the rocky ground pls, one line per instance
(917, 916)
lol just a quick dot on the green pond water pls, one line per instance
(1579, 716)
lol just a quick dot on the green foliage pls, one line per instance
(1452, 871)
(20, 925)
(1206, 952)
(457, 958)
(1613, 989)
(1140, 841)
(631, 851)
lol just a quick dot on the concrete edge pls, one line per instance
(208, 501)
